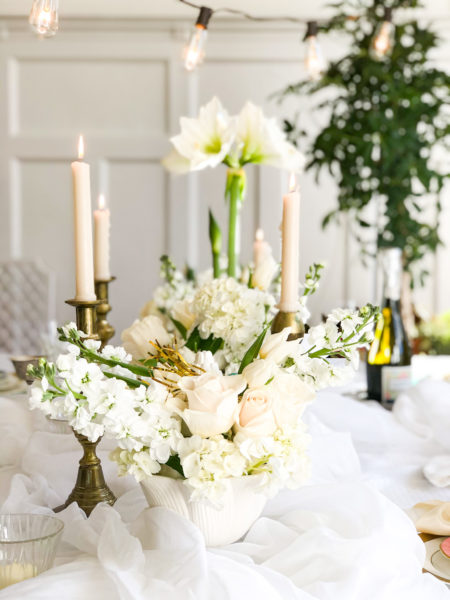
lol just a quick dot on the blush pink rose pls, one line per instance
(256, 417)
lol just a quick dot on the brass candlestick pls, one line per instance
(104, 329)
(288, 319)
(86, 316)
(90, 488)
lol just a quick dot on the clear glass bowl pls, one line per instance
(28, 546)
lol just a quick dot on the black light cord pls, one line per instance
(245, 15)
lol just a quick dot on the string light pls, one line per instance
(383, 40)
(314, 61)
(44, 17)
(194, 52)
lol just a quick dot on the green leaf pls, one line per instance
(215, 234)
(181, 328)
(254, 349)
(175, 464)
(197, 344)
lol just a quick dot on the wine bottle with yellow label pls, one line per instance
(389, 357)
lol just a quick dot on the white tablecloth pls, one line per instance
(342, 537)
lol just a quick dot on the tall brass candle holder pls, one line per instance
(104, 329)
(90, 488)
(288, 319)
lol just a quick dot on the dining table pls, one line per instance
(347, 534)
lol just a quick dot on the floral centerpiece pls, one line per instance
(204, 401)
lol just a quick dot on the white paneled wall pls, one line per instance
(121, 84)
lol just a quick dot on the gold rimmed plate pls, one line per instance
(9, 382)
(435, 562)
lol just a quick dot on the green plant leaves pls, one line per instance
(384, 119)
(254, 349)
(197, 344)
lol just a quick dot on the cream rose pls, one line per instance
(136, 339)
(212, 402)
(277, 348)
(256, 417)
(291, 395)
(181, 313)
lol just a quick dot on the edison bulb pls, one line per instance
(314, 60)
(44, 17)
(383, 40)
(195, 50)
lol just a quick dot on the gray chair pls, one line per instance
(27, 305)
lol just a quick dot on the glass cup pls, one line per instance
(28, 546)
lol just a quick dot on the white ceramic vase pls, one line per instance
(243, 503)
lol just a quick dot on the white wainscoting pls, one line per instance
(122, 85)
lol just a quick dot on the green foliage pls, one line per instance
(254, 349)
(197, 344)
(385, 119)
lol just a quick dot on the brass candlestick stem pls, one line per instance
(288, 319)
(105, 330)
(90, 488)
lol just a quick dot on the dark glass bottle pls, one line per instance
(389, 357)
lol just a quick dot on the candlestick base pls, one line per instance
(86, 316)
(288, 319)
(104, 328)
(90, 488)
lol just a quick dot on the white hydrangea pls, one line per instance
(231, 311)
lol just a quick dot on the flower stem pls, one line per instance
(235, 191)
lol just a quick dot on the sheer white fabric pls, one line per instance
(338, 538)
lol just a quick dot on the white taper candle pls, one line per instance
(290, 231)
(102, 224)
(84, 264)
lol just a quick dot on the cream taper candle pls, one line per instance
(102, 224)
(84, 263)
(290, 254)
(261, 248)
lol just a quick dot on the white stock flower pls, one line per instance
(260, 140)
(212, 402)
(204, 141)
(136, 339)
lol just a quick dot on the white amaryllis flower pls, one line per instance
(260, 140)
(204, 141)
